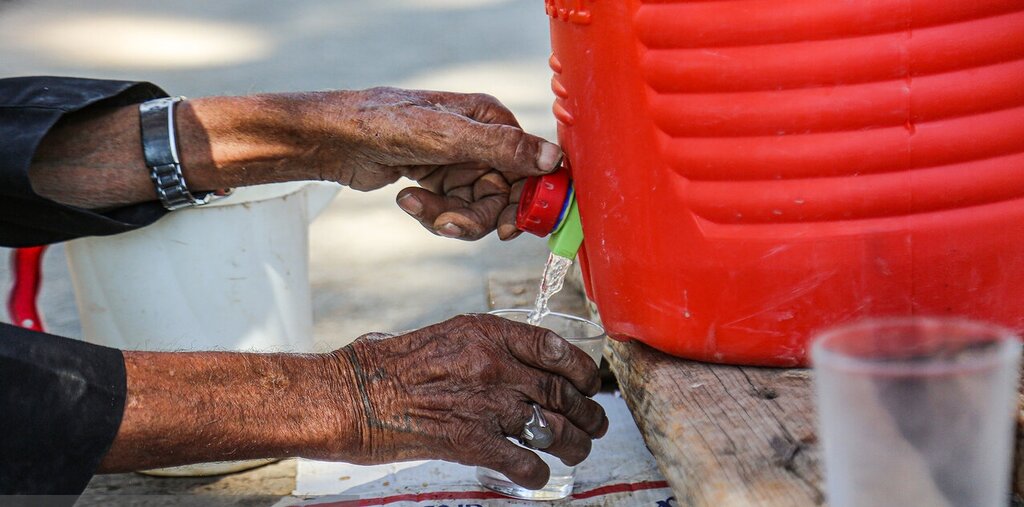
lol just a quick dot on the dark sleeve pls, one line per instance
(61, 402)
(29, 108)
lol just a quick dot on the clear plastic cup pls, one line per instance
(585, 335)
(917, 411)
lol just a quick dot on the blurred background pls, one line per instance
(372, 267)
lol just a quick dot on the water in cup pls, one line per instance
(559, 484)
(589, 337)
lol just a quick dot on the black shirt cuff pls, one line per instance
(29, 108)
(61, 403)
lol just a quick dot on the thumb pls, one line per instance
(509, 149)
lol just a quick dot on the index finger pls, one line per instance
(487, 131)
(481, 107)
(545, 350)
(506, 148)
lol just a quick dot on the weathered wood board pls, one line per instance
(724, 436)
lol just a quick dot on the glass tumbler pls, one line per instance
(586, 335)
(917, 411)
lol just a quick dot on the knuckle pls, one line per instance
(595, 415)
(466, 326)
(549, 386)
(570, 447)
(516, 191)
(489, 452)
(559, 394)
(507, 137)
(514, 141)
(522, 143)
(381, 90)
(460, 320)
(491, 183)
(522, 468)
(511, 423)
(572, 401)
(485, 98)
(482, 451)
(557, 352)
(480, 366)
(465, 193)
(465, 436)
(476, 370)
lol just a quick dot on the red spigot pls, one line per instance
(543, 202)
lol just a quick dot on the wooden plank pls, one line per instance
(724, 435)
(728, 435)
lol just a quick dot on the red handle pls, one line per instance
(21, 306)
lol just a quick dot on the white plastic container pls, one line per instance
(231, 275)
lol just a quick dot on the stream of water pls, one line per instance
(550, 283)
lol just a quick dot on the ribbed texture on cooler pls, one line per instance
(819, 110)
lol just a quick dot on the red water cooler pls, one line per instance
(749, 172)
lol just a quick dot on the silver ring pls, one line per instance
(536, 432)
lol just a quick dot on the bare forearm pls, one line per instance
(94, 159)
(212, 406)
(465, 151)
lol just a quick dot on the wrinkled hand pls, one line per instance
(466, 151)
(456, 390)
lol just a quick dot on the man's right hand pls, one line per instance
(451, 391)
(456, 390)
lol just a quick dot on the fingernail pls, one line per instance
(549, 157)
(410, 205)
(450, 230)
(507, 232)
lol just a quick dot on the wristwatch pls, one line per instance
(160, 151)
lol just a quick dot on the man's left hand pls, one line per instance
(466, 151)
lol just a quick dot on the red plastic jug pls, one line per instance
(750, 172)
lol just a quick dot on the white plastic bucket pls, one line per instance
(232, 275)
